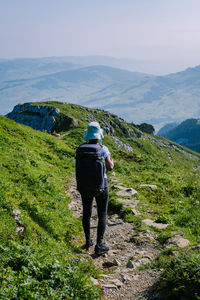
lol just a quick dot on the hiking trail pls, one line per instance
(122, 280)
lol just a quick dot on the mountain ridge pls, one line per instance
(137, 97)
(187, 134)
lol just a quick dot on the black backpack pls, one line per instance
(90, 168)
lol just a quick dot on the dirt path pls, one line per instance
(122, 279)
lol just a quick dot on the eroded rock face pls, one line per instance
(38, 117)
(43, 118)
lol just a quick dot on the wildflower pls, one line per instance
(72, 260)
(104, 290)
(77, 259)
(10, 286)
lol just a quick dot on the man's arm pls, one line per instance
(109, 163)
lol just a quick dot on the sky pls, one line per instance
(165, 32)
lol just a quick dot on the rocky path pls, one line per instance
(121, 278)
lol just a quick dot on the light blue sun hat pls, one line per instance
(93, 132)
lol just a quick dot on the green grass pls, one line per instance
(36, 169)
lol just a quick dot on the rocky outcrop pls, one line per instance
(40, 117)
(127, 147)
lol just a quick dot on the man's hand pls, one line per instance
(109, 163)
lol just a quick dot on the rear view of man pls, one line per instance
(92, 162)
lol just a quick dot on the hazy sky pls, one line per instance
(163, 31)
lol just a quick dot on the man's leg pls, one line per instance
(87, 212)
(102, 207)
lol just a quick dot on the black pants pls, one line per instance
(102, 207)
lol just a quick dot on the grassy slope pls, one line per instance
(33, 180)
(37, 264)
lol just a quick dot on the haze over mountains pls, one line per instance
(136, 97)
(186, 134)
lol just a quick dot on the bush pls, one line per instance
(181, 278)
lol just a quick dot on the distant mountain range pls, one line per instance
(186, 134)
(136, 97)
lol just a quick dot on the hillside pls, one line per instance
(134, 96)
(186, 134)
(39, 234)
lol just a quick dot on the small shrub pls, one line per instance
(181, 278)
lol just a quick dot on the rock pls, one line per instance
(119, 187)
(117, 282)
(66, 123)
(110, 286)
(20, 230)
(35, 116)
(127, 147)
(143, 238)
(196, 167)
(138, 133)
(127, 192)
(169, 157)
(135, 212)
(151, 186)
(90, 117)
(94, 280)
(125, 278)
(131, 202)
(16, 214)
(124, 129)
(109, 264)
(177, 241)
(113, 124)
(154, 224)
(130, 264)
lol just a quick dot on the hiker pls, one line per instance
(92, 161)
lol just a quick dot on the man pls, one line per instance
(92, 161)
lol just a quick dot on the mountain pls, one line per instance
(136, 97)
(41, 239)
(186, 134)
(81, 85)
(22, 68)
(166, 128)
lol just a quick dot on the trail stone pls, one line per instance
(110, 286)
(136, 213)
(117, 282)
(119, 187)
(151, 186)
(127, 192)
(131, 202)
(130, 264)
(154, 224)
(177, 241)
(109, 264)
(125, 277)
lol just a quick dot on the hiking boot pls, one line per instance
(88, 244)
(101, 249)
